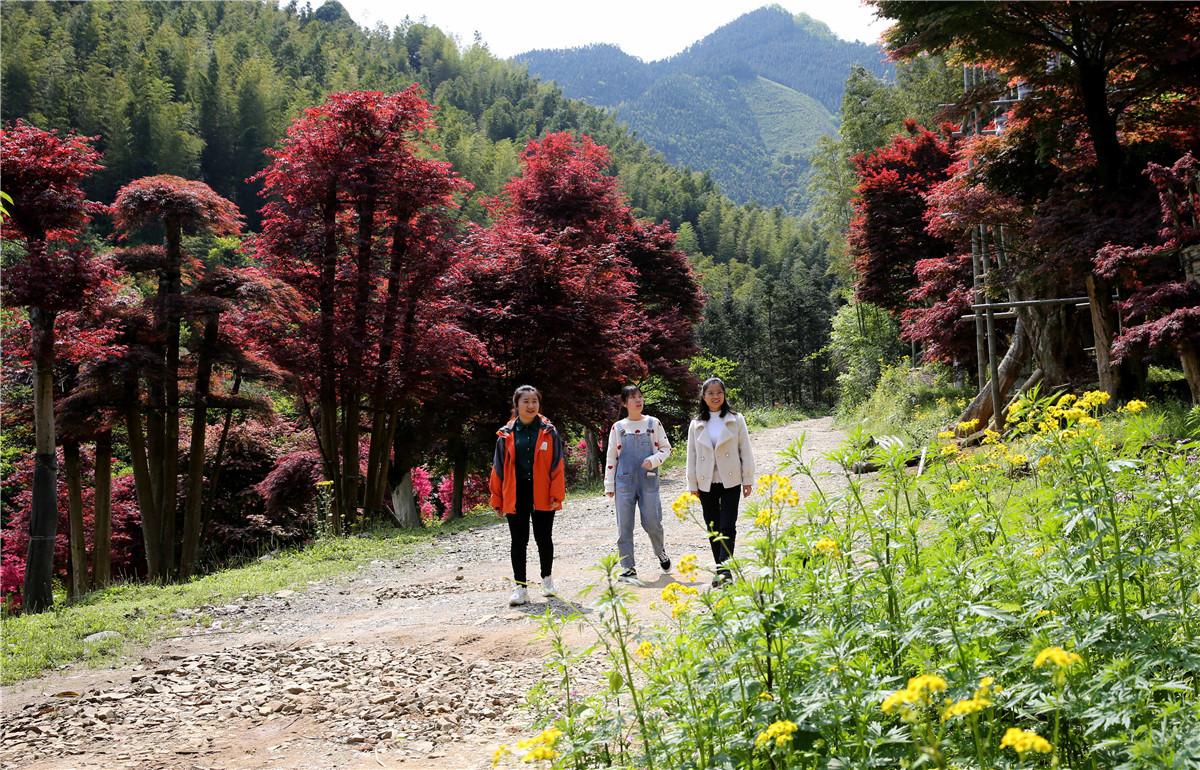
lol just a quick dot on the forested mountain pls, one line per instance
(202, 89)
(747, 103)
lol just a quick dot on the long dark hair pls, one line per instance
(626, 392)
(522, 390)
(725, 407)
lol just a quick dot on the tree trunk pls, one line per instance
(327, 390)
(215, 479)
(1190, 358)
(1010, 368)
(144, 485)
(404, 504)
(594, 458)
(170, 458)
(377, 456)
(37, 592)
(351, 389)
(78, 585)
(459, 479)
(1104, 328)
(1048, 334)
(102, 538)
(195, 478)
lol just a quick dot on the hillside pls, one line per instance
(747, 103)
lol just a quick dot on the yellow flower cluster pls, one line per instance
(1022, 741)
(780, 732)
(499, 754)
(779, 490)
(325, 483)
(960, 486)
(540, 746)
(949, 449)
(683, 504)
(765, 518)
(678, 596)
(967, 425)
(945, 434)
(687, 566)
(1058, 657)
(1015, 458)
(1135, 406)
(974, 704)
(645, 650)
(919, 692)
(827, 547)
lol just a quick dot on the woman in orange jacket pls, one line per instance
(528, 485)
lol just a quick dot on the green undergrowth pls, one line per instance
(142, 612)
(1031, 602)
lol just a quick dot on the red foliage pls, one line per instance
(942, 296)
(475, 491)
(669, 302)
(1163, 303)
(166, 198)
(563, 186)
(42, 173)
(887, 231)
(128, 556)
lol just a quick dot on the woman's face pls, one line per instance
(528, 406)
(714, 396)
(635, 402)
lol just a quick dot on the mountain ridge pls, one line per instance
(762, 90)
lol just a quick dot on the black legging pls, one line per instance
(720, 507)
(518, 529)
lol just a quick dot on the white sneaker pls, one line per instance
(519, 596)
(548, 586)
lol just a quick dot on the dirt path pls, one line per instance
(413, 663)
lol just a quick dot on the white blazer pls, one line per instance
(734, 459)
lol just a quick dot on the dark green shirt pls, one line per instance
(525, 438)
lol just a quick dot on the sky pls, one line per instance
(649, 29)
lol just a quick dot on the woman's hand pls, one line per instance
(610, 494)
(747, 489)
(647, 465)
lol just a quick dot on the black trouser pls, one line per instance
(518, 528)
(720, 507)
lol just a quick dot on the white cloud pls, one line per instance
(648, 29)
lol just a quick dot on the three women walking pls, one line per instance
(637, 446)
(528, 480)
(720, 469)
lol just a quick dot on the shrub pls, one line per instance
(1033, 602)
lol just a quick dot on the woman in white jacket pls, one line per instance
(720, 469)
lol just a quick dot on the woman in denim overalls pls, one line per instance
(637, 446)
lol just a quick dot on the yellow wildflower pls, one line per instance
(945, 434)
(967, 425)
(1093, 399)
(766, 695)
(687, 566)
(960, 486)
(1135, 406)
(645, 650)
(827, 547)
(1058, 656)
(976, 703)
(683, 504)
(919, 692)
(990, 436)
(764, 518)
(540, 753)
(1016, 459)
(949, 449)
(779, 732)
(499, 754)
(1022, 741)
(1066, 399)
(325, 483)
(678, 592)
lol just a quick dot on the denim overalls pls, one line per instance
(637, 486)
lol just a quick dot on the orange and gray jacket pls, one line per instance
(549, 466)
